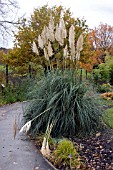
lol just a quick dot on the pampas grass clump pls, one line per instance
(71, 109)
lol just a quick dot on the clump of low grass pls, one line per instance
(106, 87)
(65, 155)
(71, 107)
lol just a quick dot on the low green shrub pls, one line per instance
(111, 73)
(104, 73)
(65, 155)
(104, 88)
(101, 75)
(10, 94)
(17, 92)
(72, 109)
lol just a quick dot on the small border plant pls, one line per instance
(65, 155)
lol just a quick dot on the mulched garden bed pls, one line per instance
(97, 150)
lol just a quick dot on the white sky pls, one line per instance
(94, 11)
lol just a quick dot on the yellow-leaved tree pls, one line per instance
(49, 20)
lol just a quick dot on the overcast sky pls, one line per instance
(94, 11)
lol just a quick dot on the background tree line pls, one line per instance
(96, 41)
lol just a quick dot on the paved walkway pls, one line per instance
(18, 153)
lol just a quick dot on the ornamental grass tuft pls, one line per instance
(71, 107)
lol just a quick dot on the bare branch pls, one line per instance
(8, 17)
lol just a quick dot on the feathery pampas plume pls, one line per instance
(51, 23)
(57, 33)
(80, 43)
(50, 31)
(72, 41)
(79, 46)
(65, 54)
(45, 144)
(63, 28)
(44, 36)
(46, 54)
(50, 50)
(34, 48)
(26, 127)
(61, 33)
(45, 148)
(40, 42)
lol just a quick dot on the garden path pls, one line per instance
(19, 153)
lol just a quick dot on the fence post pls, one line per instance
(7, 74)
(86, 74)
(29, 70)
(80, 75)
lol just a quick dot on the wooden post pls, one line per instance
(86, 74)
(29, 70)
(7, 75)
(80, 75)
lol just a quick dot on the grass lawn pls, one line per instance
(106, 102)
(108, 117)
(108, 114)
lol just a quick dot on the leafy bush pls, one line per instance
(17, 92)
(65, 155)
(111, 73)
(101, 75)
(104, 73)
(72, 109)
(104, 88)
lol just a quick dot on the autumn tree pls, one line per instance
(102, 37)
(100, 41)
(30, 30)
(90, 57)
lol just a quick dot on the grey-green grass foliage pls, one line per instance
(73, 110)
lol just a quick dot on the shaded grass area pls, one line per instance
(108, 117)
(108, 103)
(108, 111)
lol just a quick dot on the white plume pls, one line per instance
(40, 42)
(34, 48)
(26, 127)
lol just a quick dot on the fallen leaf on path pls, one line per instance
(15, 163)
(98, 134)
